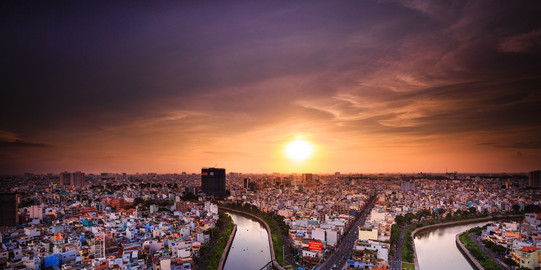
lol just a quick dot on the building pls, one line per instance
(77, 179)
(310, 257)
(119, 203)
(368, 234)
(307, 179)
(64, 178)
(36, 211)
(182, 206)
(406, 186)
(529, 257)
(363, 259)
(213, 181)
(99, 247)
(534, 179)
(8, 209)
(370, 255)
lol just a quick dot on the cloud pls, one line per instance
(12, 140)
(20, 143)
(185, 78)
(523, 43)
(515, 145)
(8, 136)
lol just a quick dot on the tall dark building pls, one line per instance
(77, 179)
(64, 178)
(307, 179)
(8, 209)
(534, 179)
(213, 181)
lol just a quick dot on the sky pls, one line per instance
(373, 86)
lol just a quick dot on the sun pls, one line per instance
(299, 150)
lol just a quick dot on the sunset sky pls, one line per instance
(373, 86)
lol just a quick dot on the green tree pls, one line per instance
(395, 234)
(532, 208)
(400, 220)
(189, 197)
(510, 262)
(409, 217)
(441, 211)
(423, 213)
(138, 201)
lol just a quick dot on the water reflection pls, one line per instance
(436, 249)
(250, 248)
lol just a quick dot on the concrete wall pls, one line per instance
(467, 253)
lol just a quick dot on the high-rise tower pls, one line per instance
(213, 181)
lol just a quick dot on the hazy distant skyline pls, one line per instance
(374, 86)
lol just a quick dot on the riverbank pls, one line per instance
(267, 228)
(467, 254)
(416, 229)
(226, 249)
(440, 225)
(478, 252)
(214, 254)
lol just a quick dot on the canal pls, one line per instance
(250, 248)
(436, 248)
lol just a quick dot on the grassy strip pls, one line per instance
(279, 229)
(395, 236)
(407, 246)
(408, 266)
(213, 256)
(475, 251)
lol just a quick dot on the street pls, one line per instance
(339, 258)
(396, 260)
(489, 252)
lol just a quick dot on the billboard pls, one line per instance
(315, 245)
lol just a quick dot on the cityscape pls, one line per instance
(178, 221)
(258, 135)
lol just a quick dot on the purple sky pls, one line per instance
(381, 86)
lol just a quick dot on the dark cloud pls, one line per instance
(19, 143)
(523, 43)
(516, 145)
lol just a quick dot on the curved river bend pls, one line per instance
(436, 248)
(250, 248)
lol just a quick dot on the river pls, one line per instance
(250, 248)
(436, 248)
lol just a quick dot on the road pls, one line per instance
(396, 259)
(339, 258)
(489, 252)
